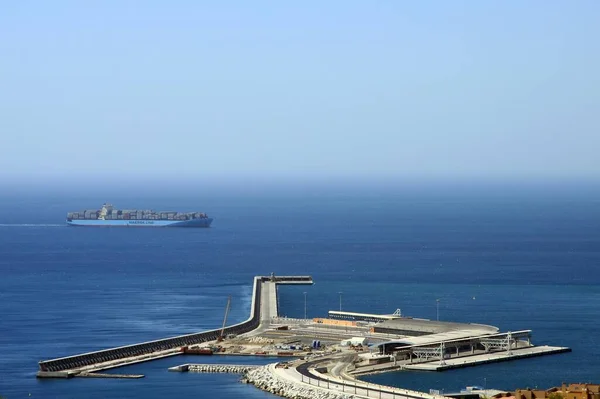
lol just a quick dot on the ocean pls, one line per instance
(514, 257)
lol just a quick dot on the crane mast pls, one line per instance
(224, 319)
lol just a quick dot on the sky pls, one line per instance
(310, 89)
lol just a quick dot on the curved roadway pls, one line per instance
(303, 369)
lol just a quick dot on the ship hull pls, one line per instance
(200, 222)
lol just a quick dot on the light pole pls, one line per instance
(437, 309)
(305, 305)
(340, 300)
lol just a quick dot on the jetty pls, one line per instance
(262, 310)
(474, 360)
(324, 357)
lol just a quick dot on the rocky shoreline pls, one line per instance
(265, 380)
(220, 368)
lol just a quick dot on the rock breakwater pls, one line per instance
(263, 378)
(220, 368)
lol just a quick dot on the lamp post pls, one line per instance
(437, 309)
(340, 300)
(305, 305)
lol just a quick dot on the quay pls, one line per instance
(474, 360)
(102, 375)
(464, 346)
(262, 310)
(324, 356)
(356, 344)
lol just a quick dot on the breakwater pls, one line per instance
(215, 368)
(56, 367)
(264, 379)
(220, 368)
(146, 348)
(101, 375)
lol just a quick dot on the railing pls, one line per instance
(289, 320)
(284, 279)
(364, 388)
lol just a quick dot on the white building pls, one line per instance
(355, 341)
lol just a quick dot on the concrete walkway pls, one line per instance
(268, 308)
(357, 389)
(269, 302)
(343, 384)
(465, 361)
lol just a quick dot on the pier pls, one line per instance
(263, 308)
(103, 375)
(324, 356)
(493, 357)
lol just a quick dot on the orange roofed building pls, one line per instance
(571, 391)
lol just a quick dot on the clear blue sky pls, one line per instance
(302, 89)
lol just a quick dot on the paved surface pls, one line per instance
(269, 299)
(303, 374)
(338, 368)
(268, 308)
(485, 358)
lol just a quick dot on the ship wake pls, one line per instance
(31, 225)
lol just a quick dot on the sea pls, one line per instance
(516, 256)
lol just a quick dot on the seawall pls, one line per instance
(168, 346)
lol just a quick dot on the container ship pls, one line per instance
(109, 216)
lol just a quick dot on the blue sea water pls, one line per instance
(511, 257)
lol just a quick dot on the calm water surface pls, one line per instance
(516, 260)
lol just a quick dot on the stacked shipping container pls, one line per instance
(133, 214)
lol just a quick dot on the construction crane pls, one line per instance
(220, 338)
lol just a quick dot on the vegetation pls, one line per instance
(555, 395)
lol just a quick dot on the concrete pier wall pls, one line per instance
(47, 367)
(86, 359)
